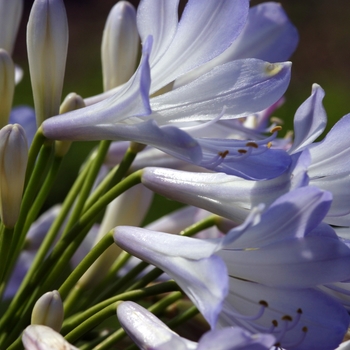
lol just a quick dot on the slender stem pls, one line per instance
(38, 141)
(74, 321)
(108, 308)
(89, 259)
(116, 176)
(24, 288)
(89, 181)
(43, 193)
(29, 195)
(156, 309)
(5, 244)
(65, 248)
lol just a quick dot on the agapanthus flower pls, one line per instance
(271, 269)
(38, 337)
(242, 86)
(148, 332)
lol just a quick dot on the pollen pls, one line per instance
(223, 154)
(252, 144)
(269, 144)
(276, 128)
(272, 69)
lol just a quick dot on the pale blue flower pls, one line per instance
(148, 332)
(233, 89)
(274, 266)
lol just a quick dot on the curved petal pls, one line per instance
(160, 19)
(235, 338)
(189, 261)
(243, 86)
(94, 122)
(37, 337)
(148, 331)
(222, 194)
(205, 30)
(298, 263)
(300, 319)
(267, 35)
(292, 215)
(330, 156)
(310, 120)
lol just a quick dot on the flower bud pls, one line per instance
(119, 45)
(48, 311)
(10, 16)
(37, 337)
(47, 42)
(13, 163)
(71, 102)
(7, 86)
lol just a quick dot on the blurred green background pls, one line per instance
(323, 57)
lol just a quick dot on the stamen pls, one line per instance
(242, 151)
(296, 320)
(276, 120)
(223, 154)
(252, 144)
(275, 129)
(296, 344)
(261, 311)
(269, 144)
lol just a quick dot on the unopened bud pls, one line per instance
(10, 16)
(120, 44)
(13, 163)
(71, 102)
(47, 42)
(7, 86)
(37, 337)
(48, 311)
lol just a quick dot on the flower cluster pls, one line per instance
(258, 256)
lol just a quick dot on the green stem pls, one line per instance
(28, 198)
(38, 141)
(58, 259)
(44, 191)
(155, 309)
(116, 176)
(5, 244)
(74, 321)
(46, 244)
(89, 182)
(89, 259)
(94, 316)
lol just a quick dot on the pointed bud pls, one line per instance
(13, 163)
(48, 311)
(120, 44)
(7, 86)
(10, 16)
(72, 102)
(47, 41)
(37, 337)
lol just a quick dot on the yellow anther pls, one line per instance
(276, 128)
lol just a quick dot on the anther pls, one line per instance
(242, 151)
(263, 303)
(276, 128)
(276, 120)
(275, 323)
(287, 318)
(223, 154)
(252, 144)
(269, 144)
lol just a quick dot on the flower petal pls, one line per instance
(313, 319)
(205, 30)
(189, 261)
(94, 122)
(310, 120)
(243, 86)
